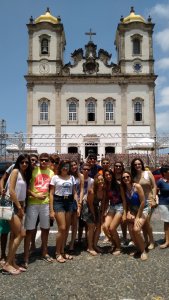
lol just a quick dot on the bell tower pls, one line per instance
(46, 45)
(45, 62)
(134, 44)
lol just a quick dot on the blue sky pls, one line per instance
(77, 17)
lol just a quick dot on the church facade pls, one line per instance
(90, 103)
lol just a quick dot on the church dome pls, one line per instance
(133, 17)
(47, 17)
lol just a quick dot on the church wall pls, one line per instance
(93, 134)
(138, 91)
(44, 92)
(78, 69)
(43, 140)
(144, 70)
(83, 92)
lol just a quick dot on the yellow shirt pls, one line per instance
(39, 183)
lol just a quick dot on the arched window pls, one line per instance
(91, 111)
(109, 111)
(136, 46)
(44, 111)
(136, 40)
(138, 111)
(44, 46)
(72, 111)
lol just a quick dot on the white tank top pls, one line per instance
(20, 187)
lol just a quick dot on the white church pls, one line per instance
(90, 103)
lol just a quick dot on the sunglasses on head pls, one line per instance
(44, 159)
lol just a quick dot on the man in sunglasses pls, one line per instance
(38, 205)
(94, 167)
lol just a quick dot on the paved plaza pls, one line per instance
(104, 277)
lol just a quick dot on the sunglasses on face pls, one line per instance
(44, 159)
(24, 162)
(34, 160)
(124, 177)
(86, 169)
(118, 166)
(65, 167)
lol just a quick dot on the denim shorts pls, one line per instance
(63, 204)
(116, 208)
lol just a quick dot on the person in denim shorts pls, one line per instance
(115, 208)
(62, 194)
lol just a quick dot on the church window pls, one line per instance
(44, 46)
(109, 111)
(137, 111)
(72, 111)
(44, 111)
(91, 111)
(136, 44)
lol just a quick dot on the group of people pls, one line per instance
(94, 197)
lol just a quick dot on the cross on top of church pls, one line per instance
(90, 33)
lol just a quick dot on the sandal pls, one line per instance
(116, 252)
(24, 265)
(67, 256)
(144, 256)
(47, 258)
(92, 252)
(60, 258)
(11, 271)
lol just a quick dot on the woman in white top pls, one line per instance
(17, 188)
(62, 194)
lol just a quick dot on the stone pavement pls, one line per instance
(104, 277)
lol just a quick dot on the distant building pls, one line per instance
(91, 103)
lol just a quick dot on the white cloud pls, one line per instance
(163, 63)
(162, 39)
(160, 81)
(162, 120)
(161, 10)
(163, 98)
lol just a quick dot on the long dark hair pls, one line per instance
(61, 164)
(122, 181)
(75, 174)
(114, 185)
(133, 169)
(28, 171)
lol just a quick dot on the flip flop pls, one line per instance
(92, 252)
(24, 265)
(12, 272)
(47, 258)
(60, 258)
(67, 256)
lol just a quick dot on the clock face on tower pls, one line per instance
(44, 67)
